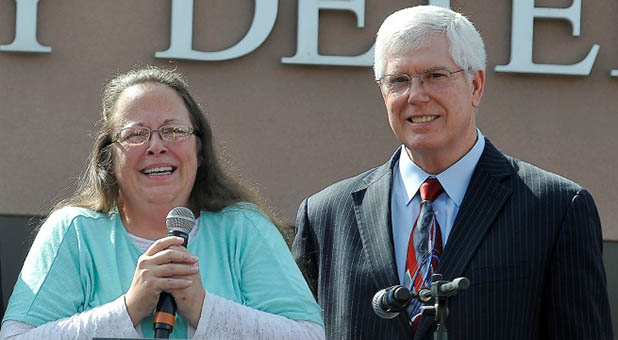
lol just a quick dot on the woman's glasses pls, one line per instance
(137, 135)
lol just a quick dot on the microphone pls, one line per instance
(179, 222)
(388, 302)
(443, 289)
(450, 288)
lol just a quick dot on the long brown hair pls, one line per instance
(213, 190)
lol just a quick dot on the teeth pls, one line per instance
(423, 119)
(159, 171)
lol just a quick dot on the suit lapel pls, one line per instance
(372, 211)
(483, 201)
(485, 196)
(373, 217)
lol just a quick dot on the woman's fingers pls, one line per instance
(170, 283)
(163, 243)
(165, 266)
(171, 254)
(169, 268)
(189, 300)
(173, 270)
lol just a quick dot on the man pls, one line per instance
(529, 241)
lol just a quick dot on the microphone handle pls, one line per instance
(164, 316)
(166, 307)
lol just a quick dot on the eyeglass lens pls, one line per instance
(141, 134)
(429, 80)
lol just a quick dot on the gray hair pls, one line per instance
(409, 29)
(213, 189)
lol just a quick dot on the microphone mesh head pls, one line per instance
(180, 219)
(376, 303)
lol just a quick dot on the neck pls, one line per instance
(435, 161)
(147, 222)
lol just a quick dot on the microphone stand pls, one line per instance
(441, 290)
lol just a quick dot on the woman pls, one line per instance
(102, 258)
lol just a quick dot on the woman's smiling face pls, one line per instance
(157, 172)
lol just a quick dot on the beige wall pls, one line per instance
(290, 129)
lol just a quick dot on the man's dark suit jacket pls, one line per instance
(529, 241)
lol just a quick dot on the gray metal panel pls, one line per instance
(17, 236)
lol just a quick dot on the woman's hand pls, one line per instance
(189, 300)
(165, 266)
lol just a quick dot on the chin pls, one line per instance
(164, 198)
(421, 144)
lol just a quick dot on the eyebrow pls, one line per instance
(435, 68)
(431, 68)
(165, 122)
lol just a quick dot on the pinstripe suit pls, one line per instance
(528, 240)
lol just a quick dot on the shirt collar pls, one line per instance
(454, 180)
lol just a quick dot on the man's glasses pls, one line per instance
(430, 80)
(137, 135)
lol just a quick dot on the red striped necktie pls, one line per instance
(425, 245)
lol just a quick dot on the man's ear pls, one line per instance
(478, 85)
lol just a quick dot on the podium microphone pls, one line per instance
(179, 222)
(389, 302)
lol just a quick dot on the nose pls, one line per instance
(416, 91)
(156, 145)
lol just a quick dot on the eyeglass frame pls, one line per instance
(116, 136)
(418, 75)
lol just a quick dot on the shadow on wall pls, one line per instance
(18, 234)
